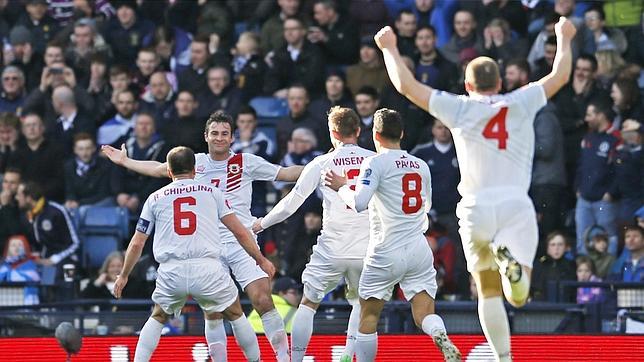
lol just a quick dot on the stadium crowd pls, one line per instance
(78, 74)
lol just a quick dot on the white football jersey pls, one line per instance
(397, 188)
(235, 177)
(186, 214)
(345, 233)
(493, 136)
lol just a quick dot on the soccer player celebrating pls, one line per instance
(342, 245)
(494, 139)
(187, 247)
(400, 185)
(233, 174)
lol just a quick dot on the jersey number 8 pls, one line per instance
(411, 194)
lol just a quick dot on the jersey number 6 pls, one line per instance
(411, 194)
(180, 216)
(495, 128)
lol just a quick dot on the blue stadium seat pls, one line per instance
(270, 132)
(102, 220)
(269, 107)
(97, 247)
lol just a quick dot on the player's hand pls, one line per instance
(565, 29)
(334, 181)
(385, 38)
(267, 267)
(116, 156)
(121, 282)
(257, 226)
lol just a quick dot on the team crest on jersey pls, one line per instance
(200, 169)
(234, 168)
(46, 225)
(603, 149)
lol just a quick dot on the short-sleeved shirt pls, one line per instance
(186, 214)
(235, 177)
(493, 136)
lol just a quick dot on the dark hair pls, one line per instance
(246, 109)
(181, 160)
(192, 94)
(33, 190)
(33, 114)
(404, 12)
(631, 227)
(165, 33)
(599, 10)
(13, 170)
(520, 63)
(551, 17)
(220, 117)
(329, 4)
(426, 27)
(201, 38)
(583, 259)
(388, 124)
(82, 136)
(368, 91)
(602, 105)
(127, 90)
(295, 18)
(343, 120)
(118, 69)
(551, 40)
(589, 58)
(630, 92)
(554, 234)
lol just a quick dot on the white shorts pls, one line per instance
(412, 266)
(511, 222)
(203, 279)
(322, 275)
(244, 268)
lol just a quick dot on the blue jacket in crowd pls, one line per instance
(445, 177)
(629, 170)
(596, 169)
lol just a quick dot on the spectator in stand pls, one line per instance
(440, 156)
(595, 183)
(120, 80)
(537, 51)
(13, 90)
(65, 11)
(127, 32)
(43, 27)
(367, 101)
(543, 66)
(298, 116)
(144, 144)
(192, 77)
(609, 63)
(18, 266)
(248, 66)
(465, 36)
(39, 159)
(9, 212)
(630, 267)
(586, 273)
(334, 34)
(286, 297)
(298, 252)
(71, 120)
(216, 19)
(248, 139)
(221, 94)
(406, 26)
(511, 11)
(626, 102)
(159, 100)
(118, 128)
(301, 150)
(172, 45)
(273, 28)
(185, 128)
(498, 42)
(20, 53)
(597, 246)
(572, 101)
(336, 94)
(438, 14)
(552, 268)
(99, 89)
(298, 61)
(51, 227)
(8, 138)
(147, 62)
(85, 43)
(444, 250)
(103, 286)
(432, 68)
(54, 53)
(629, 172)
(626, 16)
(87, 176)
(370, 70)
(598, 37)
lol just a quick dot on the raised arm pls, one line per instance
(246, 240)
(562, 66)
(146, 168)
(289, 174)
(400, 76)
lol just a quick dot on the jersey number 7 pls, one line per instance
(495, 128)
(179, 216)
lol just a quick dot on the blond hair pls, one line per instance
(345, 121)
(483, 74)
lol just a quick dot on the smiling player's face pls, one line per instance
(219, 137)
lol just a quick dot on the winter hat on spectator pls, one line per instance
(19, 35)
(367, 41)
(336, 72)
(285, 283)
(129, 3)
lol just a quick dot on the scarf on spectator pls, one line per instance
(37, 209)
(83, 168)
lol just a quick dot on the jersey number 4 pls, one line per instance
(495, 128)
(410, 193)
(190, 225)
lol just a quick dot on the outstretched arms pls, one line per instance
(147, 168)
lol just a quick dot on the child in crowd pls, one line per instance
(586, 273)
(598, 252)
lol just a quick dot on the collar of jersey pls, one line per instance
(217, 163)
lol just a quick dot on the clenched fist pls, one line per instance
(385, 38)
(565, 29)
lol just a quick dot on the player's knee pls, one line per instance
(160, 315)
(263, 303)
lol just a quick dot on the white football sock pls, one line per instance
(366, 347)
(352, 331)
(148, 340)
(433, 324)
(246, 338)
(301, 333)
(216, 339)
(276, 334)
(494, 322)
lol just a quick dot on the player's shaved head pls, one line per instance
(344, 121)
(181, 160)
(482, 74)
(388, 124)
